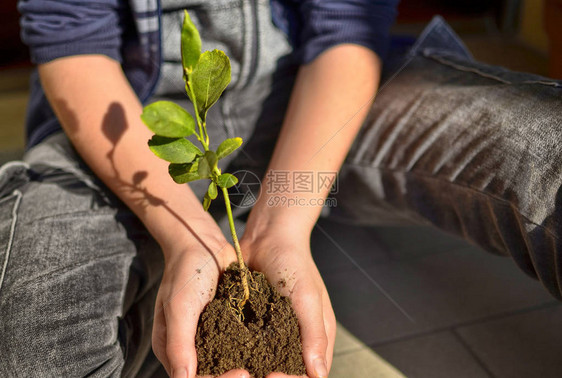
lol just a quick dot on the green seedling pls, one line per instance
(206, 76)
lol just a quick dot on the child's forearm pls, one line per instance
(100, 113)
(330, 100)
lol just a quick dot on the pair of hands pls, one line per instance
(190, 280)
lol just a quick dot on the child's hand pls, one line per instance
(190, 280)
(286, 261)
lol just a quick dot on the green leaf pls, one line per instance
(168, 119)
(207, 164)
(226, 180)
(228, 146)
(182, 173)
(206, 202)
(209, 79)
(173, 150)
(212, 191)
(190, 43)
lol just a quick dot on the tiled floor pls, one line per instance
(455, 311)
(427, 303)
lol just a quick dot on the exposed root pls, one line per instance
(256, 286)
(237, 311)
(244, 276)
(237, 302)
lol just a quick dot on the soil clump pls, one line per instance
(262, 338)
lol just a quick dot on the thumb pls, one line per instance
(181, 324)
(308, 307)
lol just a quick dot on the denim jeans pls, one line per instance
(470, 148)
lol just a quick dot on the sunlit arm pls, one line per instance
(330, 100)
(100, 113)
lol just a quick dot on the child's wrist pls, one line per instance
(185, 234)
(265, 219)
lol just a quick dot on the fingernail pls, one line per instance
(179, 373)
(320, 368)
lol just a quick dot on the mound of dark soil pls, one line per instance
(263, 338)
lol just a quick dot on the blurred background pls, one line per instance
(410, 300)
(523, 35)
